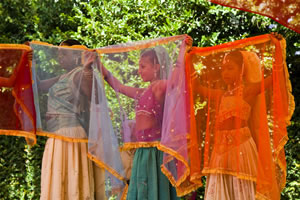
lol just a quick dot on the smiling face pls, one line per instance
(148, 68)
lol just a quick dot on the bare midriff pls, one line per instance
(232, 123)
(144, 122)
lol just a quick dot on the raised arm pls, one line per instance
(214, 94)
(8, 82)
(90, 58)
(131, 92)
(254, 89)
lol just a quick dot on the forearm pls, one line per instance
(7, 82)
(44, 85)
(116, 84)
(112, 81)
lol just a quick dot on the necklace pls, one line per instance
(231, 92)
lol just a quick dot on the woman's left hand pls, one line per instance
(88, 58)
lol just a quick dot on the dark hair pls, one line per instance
(235, 56)
(151, 54)
(69, 42)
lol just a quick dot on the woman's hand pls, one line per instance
(88, 58)
(189, 43)
(277, 35)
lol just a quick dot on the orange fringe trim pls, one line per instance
(140, 46)
(236, 174)
(135, 145)
(181, 191)
(19, 133)
(125, 192)
(60, 137)
(15, 46)
(82, 47)
(112, 171)
(228, 45)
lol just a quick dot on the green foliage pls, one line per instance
(100, 23)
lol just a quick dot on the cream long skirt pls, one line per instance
(67, 173)
(228, 187)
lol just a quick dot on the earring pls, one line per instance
(155, 74)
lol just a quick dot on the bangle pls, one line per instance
(87, 73)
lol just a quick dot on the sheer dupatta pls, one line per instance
(58, 85)
(261, 103)
(103, 146)
(71, 106)
(284, 12)
(18, 113)
(131, 98)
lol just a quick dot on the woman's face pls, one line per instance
(231, 72)
(67, 59)
(147, 70)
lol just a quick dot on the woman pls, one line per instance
(67, 173)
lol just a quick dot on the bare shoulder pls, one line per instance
(159, 89)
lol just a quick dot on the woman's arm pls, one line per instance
(254, 89)
(131, 92)
(44, 85)
(8, 82)
(214, 94)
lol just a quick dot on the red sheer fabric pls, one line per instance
(284, 12)
(242, 104)
(16, 96)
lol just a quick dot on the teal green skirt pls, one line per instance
(147, 181)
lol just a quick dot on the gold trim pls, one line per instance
(112, 171)
(125, 192)
(15, 46)
(60, 137)
(120, 49)
(229, 45)
(106, 167)
(78, 47)
(224, 171)
(180, 191)
(288, 84)
(135, 145)
(177, 184)
(25, 134)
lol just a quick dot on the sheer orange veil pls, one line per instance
(272, 108)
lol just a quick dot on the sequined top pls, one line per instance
(233, 106)
(148, 105)
(64, 107)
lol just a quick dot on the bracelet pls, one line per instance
(87, 73)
